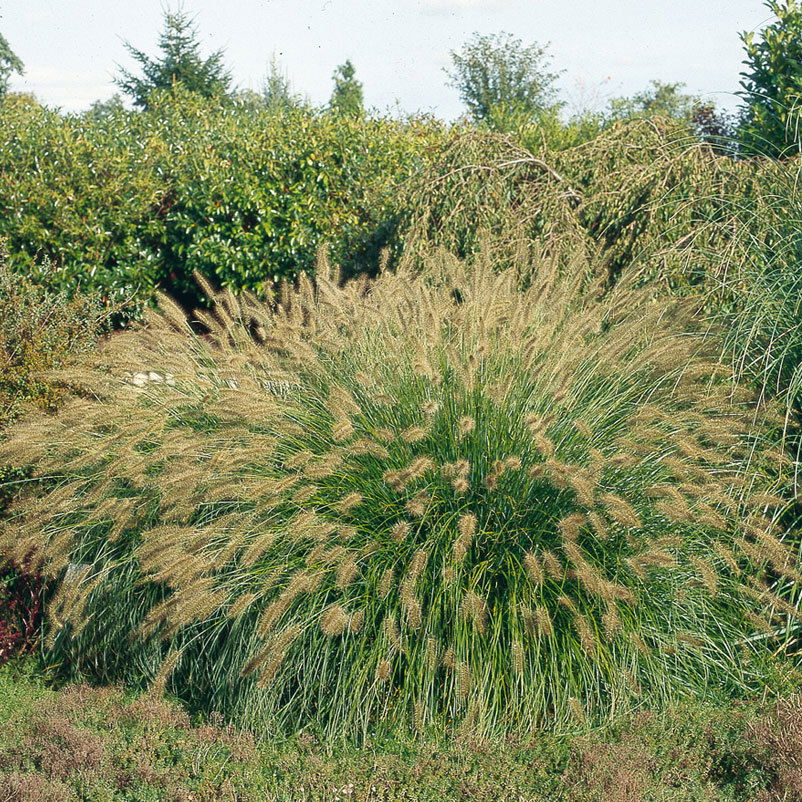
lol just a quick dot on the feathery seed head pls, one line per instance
(465, 425)
(304, 493)
(571, 526)
(474, 607)
(552, 565)
(620, 510)
(537, 423)
(599, 525)
(334, 620)
(341, 403)
(583, 429)
(467, 526)
(347, 572)
(384, 434)
(584, 487)
(392, 634)
(417, 505)
(461, 486)
(414, 434)
(543, 622)
(534, 568)
(517, 657)
(348, 502)
(348, 532)
(400, 531)
(385, 583)
(341, 430)
(430, 408)
(543, 444)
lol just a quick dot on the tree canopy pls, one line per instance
(497, 75)
(772, 83)
(277, 91)
(9, 63)
(179, 62)
(346, 98)
(659, 100)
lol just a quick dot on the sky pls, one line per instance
(72, 49)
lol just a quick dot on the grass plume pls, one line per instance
(448, 512)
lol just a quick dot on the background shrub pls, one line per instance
(657, 205)
(126, 202)
(21, 602)
(647, 194)
(121, 203)
(40, 331)
(83, 195)
(432, 499)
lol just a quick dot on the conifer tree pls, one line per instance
(277, 89)
(346, 99)
(179, 62)
(9, 63)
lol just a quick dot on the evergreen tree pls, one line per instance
(179, 62)
(277, 89)
(346, 99)
(772, 84)
(9, 63)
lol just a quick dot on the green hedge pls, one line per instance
(134, 201)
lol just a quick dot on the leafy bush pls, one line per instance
(772, 84)
(658, 201)
(127, 201)
(651, 197)
(40, 331)
(21, 602)
(657, 205)
(83, 196)
(484, 191)
(434, 498)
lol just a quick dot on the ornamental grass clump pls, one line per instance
(432, 499)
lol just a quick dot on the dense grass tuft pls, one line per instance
(431, 500)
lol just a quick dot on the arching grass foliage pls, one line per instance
(432, 499)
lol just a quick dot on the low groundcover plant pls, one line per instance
(434, 498)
